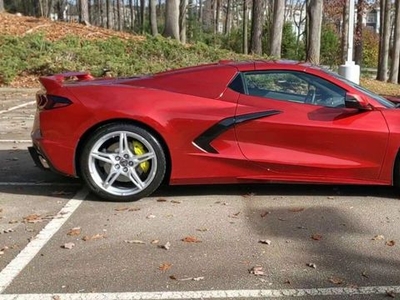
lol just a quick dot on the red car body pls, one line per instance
(216, 128)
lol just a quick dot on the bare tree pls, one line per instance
(277, 28)
(109, 10)
(182, 20)
(142, 10)
(314, 24)
(384, 41)
(345, 31)
(84, 11)
(132, 15)
(1, 6)
(359, 33)
(394, 71)
(153, 17)
(228, 17)
(171, 28)
(245, 27)
(257, 21)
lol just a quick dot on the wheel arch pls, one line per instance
(92, 129)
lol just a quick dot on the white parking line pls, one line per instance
(16, 141)
(12, 270)
(227, 294)
(16, 107)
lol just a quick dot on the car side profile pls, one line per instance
(226, 122)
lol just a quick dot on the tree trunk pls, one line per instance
(1, 6)
(109, 14)
(314, 14)
(277, 28)
(217, 15)
(257, 21)
(132, 15)
(245, 27)
(345, 31)
(153, 17)
(228, 18)
(394, 71)
(142, 18)
(182, 20)
(84, 12)
(384, 42)
(359, 33)
(119, 16)
(172, 19)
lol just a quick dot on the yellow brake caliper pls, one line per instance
(138, 149)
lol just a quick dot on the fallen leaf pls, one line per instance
(56, 297)
(298, 209)
(154, 242)
(257, 270)
(173, 277)
(165, 267)
(166, 246)
(176, 201)
(287, 281)
(93, 237)
(13, 222)
(9, 230)
(391, 294)
(364, 274)
(162, 200)
(264, 214)
(378, 237)
(34, 218)
(331, 197)
(248, 195)
(390, 243)
(198, 278)
(121, 208)
(235, 215)
(202, 229)
(316, 236)
(191, 239)
(151, 216)
(267, 242)
(134, 209)
(68, 246)
(281, 219)
(74, 231)
(336, 280)
(134, 242)
(311, 265)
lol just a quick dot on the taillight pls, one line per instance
(45, 102)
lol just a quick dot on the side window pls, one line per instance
(294, 86)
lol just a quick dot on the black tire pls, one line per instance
(122, 162)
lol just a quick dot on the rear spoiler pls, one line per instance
(56, 81)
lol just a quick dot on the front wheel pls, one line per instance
(122, 162)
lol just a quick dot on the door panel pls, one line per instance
(305, 140)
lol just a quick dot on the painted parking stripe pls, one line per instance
(16, 141)
(223, 294)
(16, 107)
(8, 274)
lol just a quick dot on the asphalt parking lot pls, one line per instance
(57, 241)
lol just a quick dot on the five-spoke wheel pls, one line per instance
(123, 162)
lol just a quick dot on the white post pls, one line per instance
(350, 70)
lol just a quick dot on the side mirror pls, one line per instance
(357, 102)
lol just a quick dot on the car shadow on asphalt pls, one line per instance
(329, 244)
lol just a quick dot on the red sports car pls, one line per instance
(227, 122)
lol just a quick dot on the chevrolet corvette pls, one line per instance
(226, 122)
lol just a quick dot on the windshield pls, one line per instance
(386, 103)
